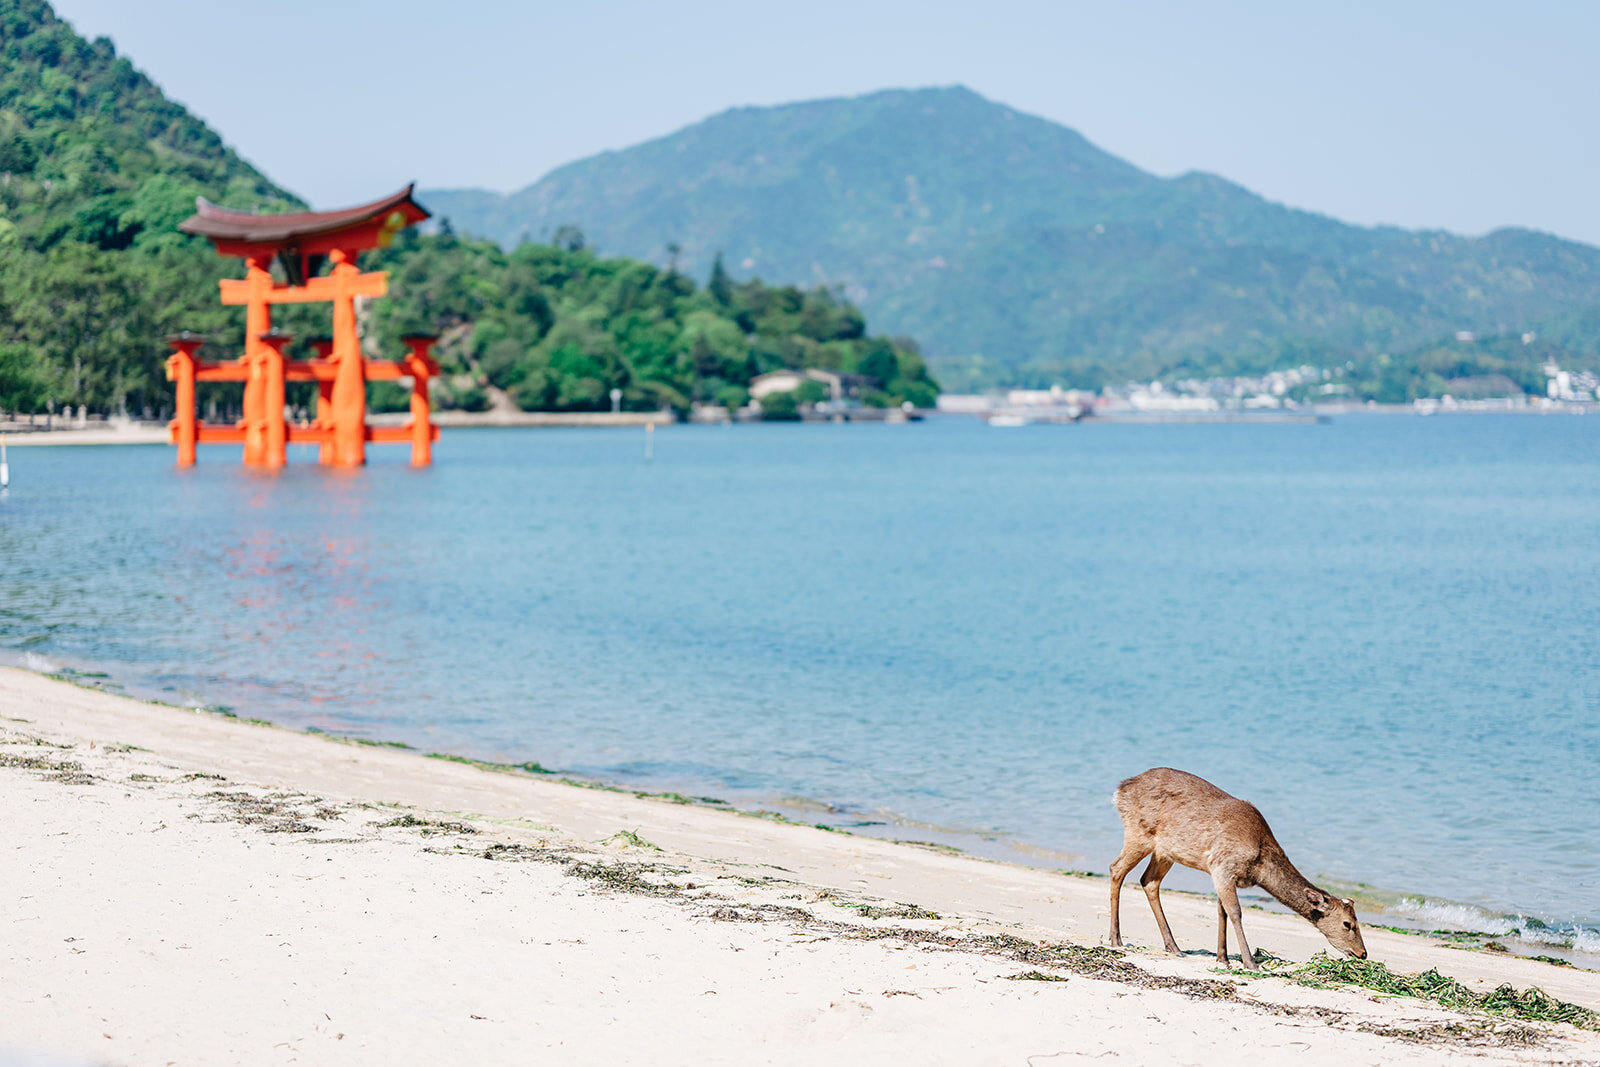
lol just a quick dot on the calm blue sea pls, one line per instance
(1382, 630)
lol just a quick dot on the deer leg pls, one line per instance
(1151, 880)
(1222, 934)
(1127, 861)
(1228, 901)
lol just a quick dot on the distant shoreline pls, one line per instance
(154, 433)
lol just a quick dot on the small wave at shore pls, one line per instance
(34, 662)
(1455, 916)
(1470, 918)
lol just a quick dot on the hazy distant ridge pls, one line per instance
(979, 229)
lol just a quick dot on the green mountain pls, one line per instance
(1010, 245)
(97, 168)
(92, 151)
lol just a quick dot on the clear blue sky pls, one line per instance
(1460, 115)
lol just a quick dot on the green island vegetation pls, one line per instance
(557, 326)
(97, 168)
(1503, 366)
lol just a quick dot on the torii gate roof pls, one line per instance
(237, 232)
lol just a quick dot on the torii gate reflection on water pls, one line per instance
(302, 244)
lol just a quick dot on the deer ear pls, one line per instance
(1315, 897)
(1349, 903)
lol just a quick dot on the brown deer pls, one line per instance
(1175, 817)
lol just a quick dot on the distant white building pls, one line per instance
(1035, 398)
(965, 403)
(1159, 400)
(840, 387)
(787, 381)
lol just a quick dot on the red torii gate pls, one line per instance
(302, 243)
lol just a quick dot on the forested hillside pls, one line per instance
(97, 168)
(1012, 247)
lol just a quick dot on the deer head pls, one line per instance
(1336, 918)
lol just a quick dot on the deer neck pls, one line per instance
(1278, 876)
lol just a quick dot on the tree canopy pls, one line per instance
(557, 326)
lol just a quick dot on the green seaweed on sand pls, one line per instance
(1036, 976)
(351, 739)
(429, 827)
(40, 763)
(625, 877)
(894, 911)
(587, 783)
(489, 765)
(1097, 961)
(1472, 1033)
(770, 816)
(482, 765)
(1532, 1004)
(931, 846)
(271, 813)
(38, 742)
(619, 876)
(84, 679)
(67, 772)
(673, 798)
(501, 850)
(631, 839)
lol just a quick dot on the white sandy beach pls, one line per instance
(126, 434)
(183, 888)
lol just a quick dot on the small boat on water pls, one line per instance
(1007, 420)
